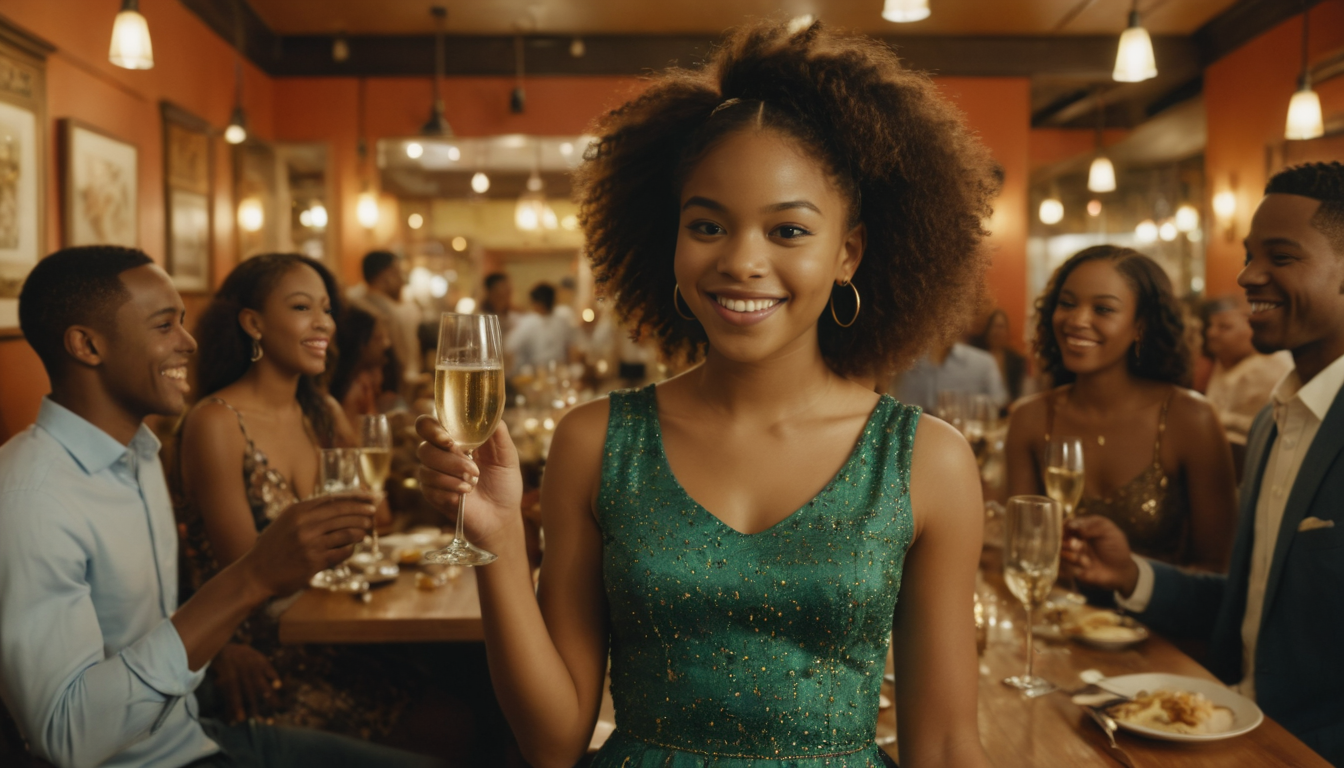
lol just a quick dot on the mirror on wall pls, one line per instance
(283, 200)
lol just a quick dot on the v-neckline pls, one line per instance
(844, 468)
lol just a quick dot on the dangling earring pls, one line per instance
(676, 306)
(256, 349)
(1138, 348)
(858, 303)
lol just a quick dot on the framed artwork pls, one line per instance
(22, 162)
(187, 177)
(99, 189)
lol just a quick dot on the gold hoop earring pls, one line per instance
(858, 303)
(675, 291)
(256, 349)
(1138, 349)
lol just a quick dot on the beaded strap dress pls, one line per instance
(734, 650)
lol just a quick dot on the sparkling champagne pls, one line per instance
(1065, 486)
(374, 464)
(1030, 585)
(469, 401)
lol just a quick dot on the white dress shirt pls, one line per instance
(1298, 412)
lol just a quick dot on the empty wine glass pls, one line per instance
(469, 399)
(1032, 531)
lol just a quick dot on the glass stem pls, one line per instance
(459, 538)
(377, 551)
(1030, 656)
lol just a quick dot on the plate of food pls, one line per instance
(1178, 708)
(408, 549)
(1107, 630)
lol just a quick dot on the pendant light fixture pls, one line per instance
(131, 48)
(236, 132)
(1305, 120)
(1051, 211)
(437, 125)
(1101, 175)
(1134, 60)
(905, 11)
(366, 208)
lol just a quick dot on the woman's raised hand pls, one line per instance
(492, 481)
(1099, 553)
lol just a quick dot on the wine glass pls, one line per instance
(951, 407)
(1032, 531)
(1064, 473)
(469, 399)
(977, 422)
(338, 472)
(375, 461)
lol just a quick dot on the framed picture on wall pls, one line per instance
(99, 187)
(187, 178)
(22, 162)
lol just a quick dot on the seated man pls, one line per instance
(98, 663)
(1275, 622)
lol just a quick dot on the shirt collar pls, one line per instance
(94, 449)
(1317, 395)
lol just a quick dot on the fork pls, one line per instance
(1107, 726)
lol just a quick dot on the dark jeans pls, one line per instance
(254, 745)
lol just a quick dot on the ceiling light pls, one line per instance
(1187, 218)
(1134, 60)
(317, 213)
(414, 150)
(1167, 232)
(437, 125)
(465, 306)
(438, 286)
(1093, 207)
(1225, 205)
(306, 218)
(454, 154)
(415, 221)
(1101, 176)
(236, 133)
(1146, 231)
(480, 183)
(366, 210)
(570, 222)
(250, 215)
(905, 11)
(566, 148)
(1304, 110)
(131, 48)
(534, 183)
(589, 315)
(1051, 211)
(459, 243)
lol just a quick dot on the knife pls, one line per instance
(1107, 726)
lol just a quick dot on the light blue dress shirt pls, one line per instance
(965, 369)
(91, 667)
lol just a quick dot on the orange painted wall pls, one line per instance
(1054, 145)
(1246, 99)
(193, 69)
(999, 110)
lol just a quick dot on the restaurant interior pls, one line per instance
(445, 132)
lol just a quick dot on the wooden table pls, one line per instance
(395, 613)
(1051, 731)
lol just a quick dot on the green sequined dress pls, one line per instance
(735, 650)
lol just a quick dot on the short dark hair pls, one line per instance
(73, 286)
(1163, 354)
(495, 278)
(376, 263)
(1318, 181)
(543, 294)
(898, 152)
(227, 347)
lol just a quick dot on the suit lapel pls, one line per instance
(1324, 448)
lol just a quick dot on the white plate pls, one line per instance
(1245, 714)
(1139, 634)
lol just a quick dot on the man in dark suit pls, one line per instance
(1275, 621)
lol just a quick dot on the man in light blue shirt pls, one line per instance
(97, 661)
(956, 368)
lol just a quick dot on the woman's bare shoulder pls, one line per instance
(1191, 412)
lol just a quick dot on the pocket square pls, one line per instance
(1313, 523)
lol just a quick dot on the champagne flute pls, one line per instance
(469, 399)
(1032, 531)
(338, 472)
(375, 461)
(1064, 473)
(978, 422)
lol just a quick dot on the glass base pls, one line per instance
(1031, 686)
(460, 552)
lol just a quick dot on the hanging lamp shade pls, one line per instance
(1101, 176)
(1051, 211)
(905, 11)
(236, 132)
(1305, 120)
(131, 48)
(1134, 60)
(366, 210)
